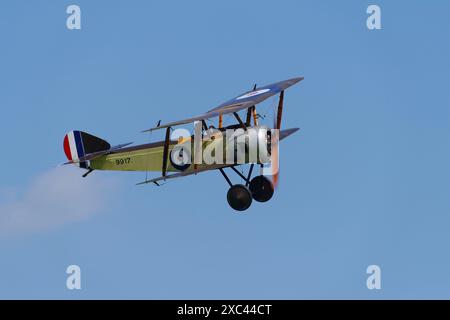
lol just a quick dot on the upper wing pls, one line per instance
(210, 114)
(241, 102)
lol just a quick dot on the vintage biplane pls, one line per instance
(92, 153)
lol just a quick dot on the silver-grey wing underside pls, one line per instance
(241, 102)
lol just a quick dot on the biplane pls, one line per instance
(92, 153)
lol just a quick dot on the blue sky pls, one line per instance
(365, 181)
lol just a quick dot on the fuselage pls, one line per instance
(237, 149)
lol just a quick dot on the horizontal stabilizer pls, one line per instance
(120, 146)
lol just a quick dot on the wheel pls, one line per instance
(262, 188)
(239, 197)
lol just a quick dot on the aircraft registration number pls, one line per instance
(123, 161)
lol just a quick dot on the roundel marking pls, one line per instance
(180, 167)
(252, 94)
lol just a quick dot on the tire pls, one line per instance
(261, 188)
(239, 197)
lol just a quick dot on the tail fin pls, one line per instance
(78, 144)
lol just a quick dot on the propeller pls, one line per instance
(275, 141)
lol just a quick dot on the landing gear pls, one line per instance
(239, 197)
(261, 188)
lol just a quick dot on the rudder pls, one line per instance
(78, 144)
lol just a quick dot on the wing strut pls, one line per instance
(274, 159)
(249, 116)
(165, 152)
(220, 121)
(280, 110)
(251, 111)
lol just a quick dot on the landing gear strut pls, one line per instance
(240, 196)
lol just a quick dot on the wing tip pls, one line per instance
(287, 132)
(296, 80)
